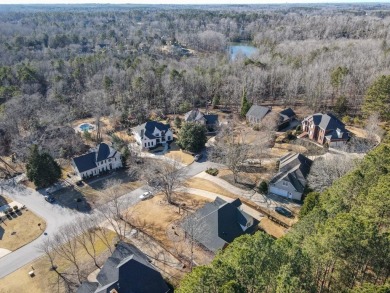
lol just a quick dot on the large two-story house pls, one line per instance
(325, 129)
(152, 133)
(100, 159)
(290, 181)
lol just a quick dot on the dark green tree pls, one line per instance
(377, 99)
(192, 137)
(263, 187)
(311, 201)
(42, 169)
(245, 105)
(341, 106)
(177, 122)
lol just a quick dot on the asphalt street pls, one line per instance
(57, 216)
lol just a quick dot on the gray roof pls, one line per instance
(87, 287)
(219, 223)
(127, 270)
(258, 112)
(88, 161)
(293, 168)
(148, 128)
(193, 115)
(327, 121)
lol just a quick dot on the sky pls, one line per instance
(183, 1)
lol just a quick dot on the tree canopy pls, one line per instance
(192, 137)
(341, 242)
(42, 169)
(377, 99)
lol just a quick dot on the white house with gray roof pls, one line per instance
(152, 133)
(290, 181)
(100, 159)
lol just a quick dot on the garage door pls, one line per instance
(278, 191)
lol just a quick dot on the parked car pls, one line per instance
(284, 212)
(146, 195)
(49, 199)
(198, 157)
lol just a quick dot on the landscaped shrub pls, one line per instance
(15, 208)
(256, 127)
(263, 187)
(212, 171)
(10, 210)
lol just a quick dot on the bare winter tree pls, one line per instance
(115, 211)
(373, 130)
(65, 245)
(164, 177)
(194, 229)
(329, 168)
(63, 280)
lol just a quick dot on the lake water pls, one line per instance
(241, 48)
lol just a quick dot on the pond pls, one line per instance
(241, 48)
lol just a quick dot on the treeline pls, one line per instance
(341, 243)
(59, 66)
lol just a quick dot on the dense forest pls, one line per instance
(62, 63)
(340, 244)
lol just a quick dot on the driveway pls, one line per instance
(57, 216)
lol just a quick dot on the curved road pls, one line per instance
(57, 216)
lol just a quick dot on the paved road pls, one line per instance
(57, 216)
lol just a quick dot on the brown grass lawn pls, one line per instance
(25, 228)
(20, 281)
(177, 154)
(272, 228)
(124, 136)
(207, 185)
(156, 217)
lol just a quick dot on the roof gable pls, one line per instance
(221, 223)
(147, 129)
(85, 162)
(103, 152)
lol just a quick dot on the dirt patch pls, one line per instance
(20, 229)
(272, 228)
(45, 279)
(158, 218)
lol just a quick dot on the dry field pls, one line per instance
(45, 279)
(159, 219)
(204, 184)
(272, 228)
(20, 230)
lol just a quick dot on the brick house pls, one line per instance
(325, 129)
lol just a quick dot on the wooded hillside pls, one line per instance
(341, 245)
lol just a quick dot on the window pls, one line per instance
(145, 144)
(284, 183)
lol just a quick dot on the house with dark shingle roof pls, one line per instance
(285, 117)
(152, 133)
(127, 270)
(257, 113)
(218, 223)
(208, 120)
(325, 129)
(290, 181)
(97, 160)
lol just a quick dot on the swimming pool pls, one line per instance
(86, 127)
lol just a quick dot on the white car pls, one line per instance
(146, 195)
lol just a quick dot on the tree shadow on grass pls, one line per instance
(72, 198)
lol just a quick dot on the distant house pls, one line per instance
(220, 222)
(100, 159)
(152, 133)
(208, 120)
(285, 117)
(325, 128)
(290, 181)
(257, 113)
(126, 270)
